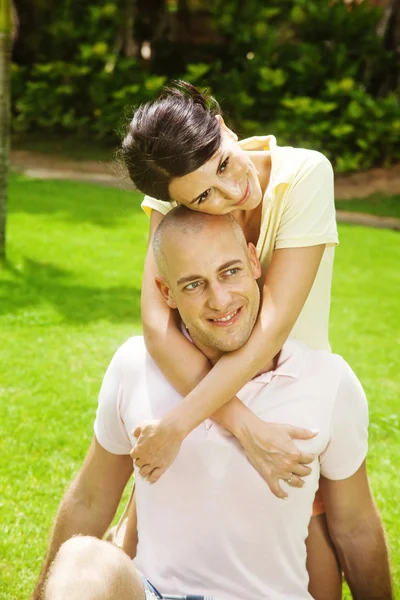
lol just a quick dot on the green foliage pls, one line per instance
(310, 73)
(314, 73)
(88, 92)
(82, 96)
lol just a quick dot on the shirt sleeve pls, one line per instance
(161, 206)
(109, 427)
(348, 443)
(309, 217)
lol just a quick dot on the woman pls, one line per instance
(179, 151)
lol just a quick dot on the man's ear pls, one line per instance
(254, 261)
(165, 291)
(225, 128)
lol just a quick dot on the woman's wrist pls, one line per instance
(178, 424)
(234, 416)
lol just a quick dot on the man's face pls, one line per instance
(212, 281)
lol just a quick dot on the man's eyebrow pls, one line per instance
(220, 161)
(187, 278)
(230, 263)
(226, 265)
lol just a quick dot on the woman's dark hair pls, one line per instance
(170, 137)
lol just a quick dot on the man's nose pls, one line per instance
(219, 298)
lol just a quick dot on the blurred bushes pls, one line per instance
(312, 72)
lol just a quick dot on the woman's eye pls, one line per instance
(224, 165)
(203, 197)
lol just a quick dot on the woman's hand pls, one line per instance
(156, 449)
(271, 450)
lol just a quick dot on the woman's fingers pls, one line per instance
(301, 470)
(145, 470)
(306, 459)
(155, 474)
(294, 481)
(275, 488)
(299, 433)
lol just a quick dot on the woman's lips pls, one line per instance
(246, 195)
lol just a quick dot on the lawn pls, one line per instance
(376, 204)
(70, 296)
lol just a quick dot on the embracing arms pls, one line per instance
(357, 532)
(269, 447)
(90, 503)
(288, 282)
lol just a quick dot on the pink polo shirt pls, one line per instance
(210, 524)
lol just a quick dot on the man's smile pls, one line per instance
(226, 319)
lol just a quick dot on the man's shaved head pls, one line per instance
(209, 273)
(181, 220)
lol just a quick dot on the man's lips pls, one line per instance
(246, 195)
(226, 319)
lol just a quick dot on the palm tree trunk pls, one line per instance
(5, 51)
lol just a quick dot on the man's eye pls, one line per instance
(192, 286)
(232, 271)
(203, 197)
(224, 165)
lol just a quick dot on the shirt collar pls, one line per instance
(289, 361)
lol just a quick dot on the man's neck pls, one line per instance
(213, 355)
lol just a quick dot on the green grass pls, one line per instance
(70, 296)
(376, 204)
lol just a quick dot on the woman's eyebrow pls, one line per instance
(220, 161)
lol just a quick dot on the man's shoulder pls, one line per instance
(328, 366)
(131, 353)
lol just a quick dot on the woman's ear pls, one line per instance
(165, 291)
(225, 128)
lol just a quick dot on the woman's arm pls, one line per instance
(183, 365)
(268, 446)
(289, 280)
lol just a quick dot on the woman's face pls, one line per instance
(227, 182)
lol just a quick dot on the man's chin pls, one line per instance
(230, 345)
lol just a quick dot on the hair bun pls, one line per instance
(187, 91)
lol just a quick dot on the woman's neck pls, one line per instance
(262, 162)
(250, 220)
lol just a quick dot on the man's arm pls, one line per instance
(357, 533)
(90, 503)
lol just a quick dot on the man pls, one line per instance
(210, 525)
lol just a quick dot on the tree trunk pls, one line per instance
(5, 51)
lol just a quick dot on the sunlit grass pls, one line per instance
(376, 204)
(70, 296)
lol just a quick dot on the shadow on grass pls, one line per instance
(73, 201)
(44, 283)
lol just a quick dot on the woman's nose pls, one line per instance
(231, 189)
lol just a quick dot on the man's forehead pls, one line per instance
(213, 239)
